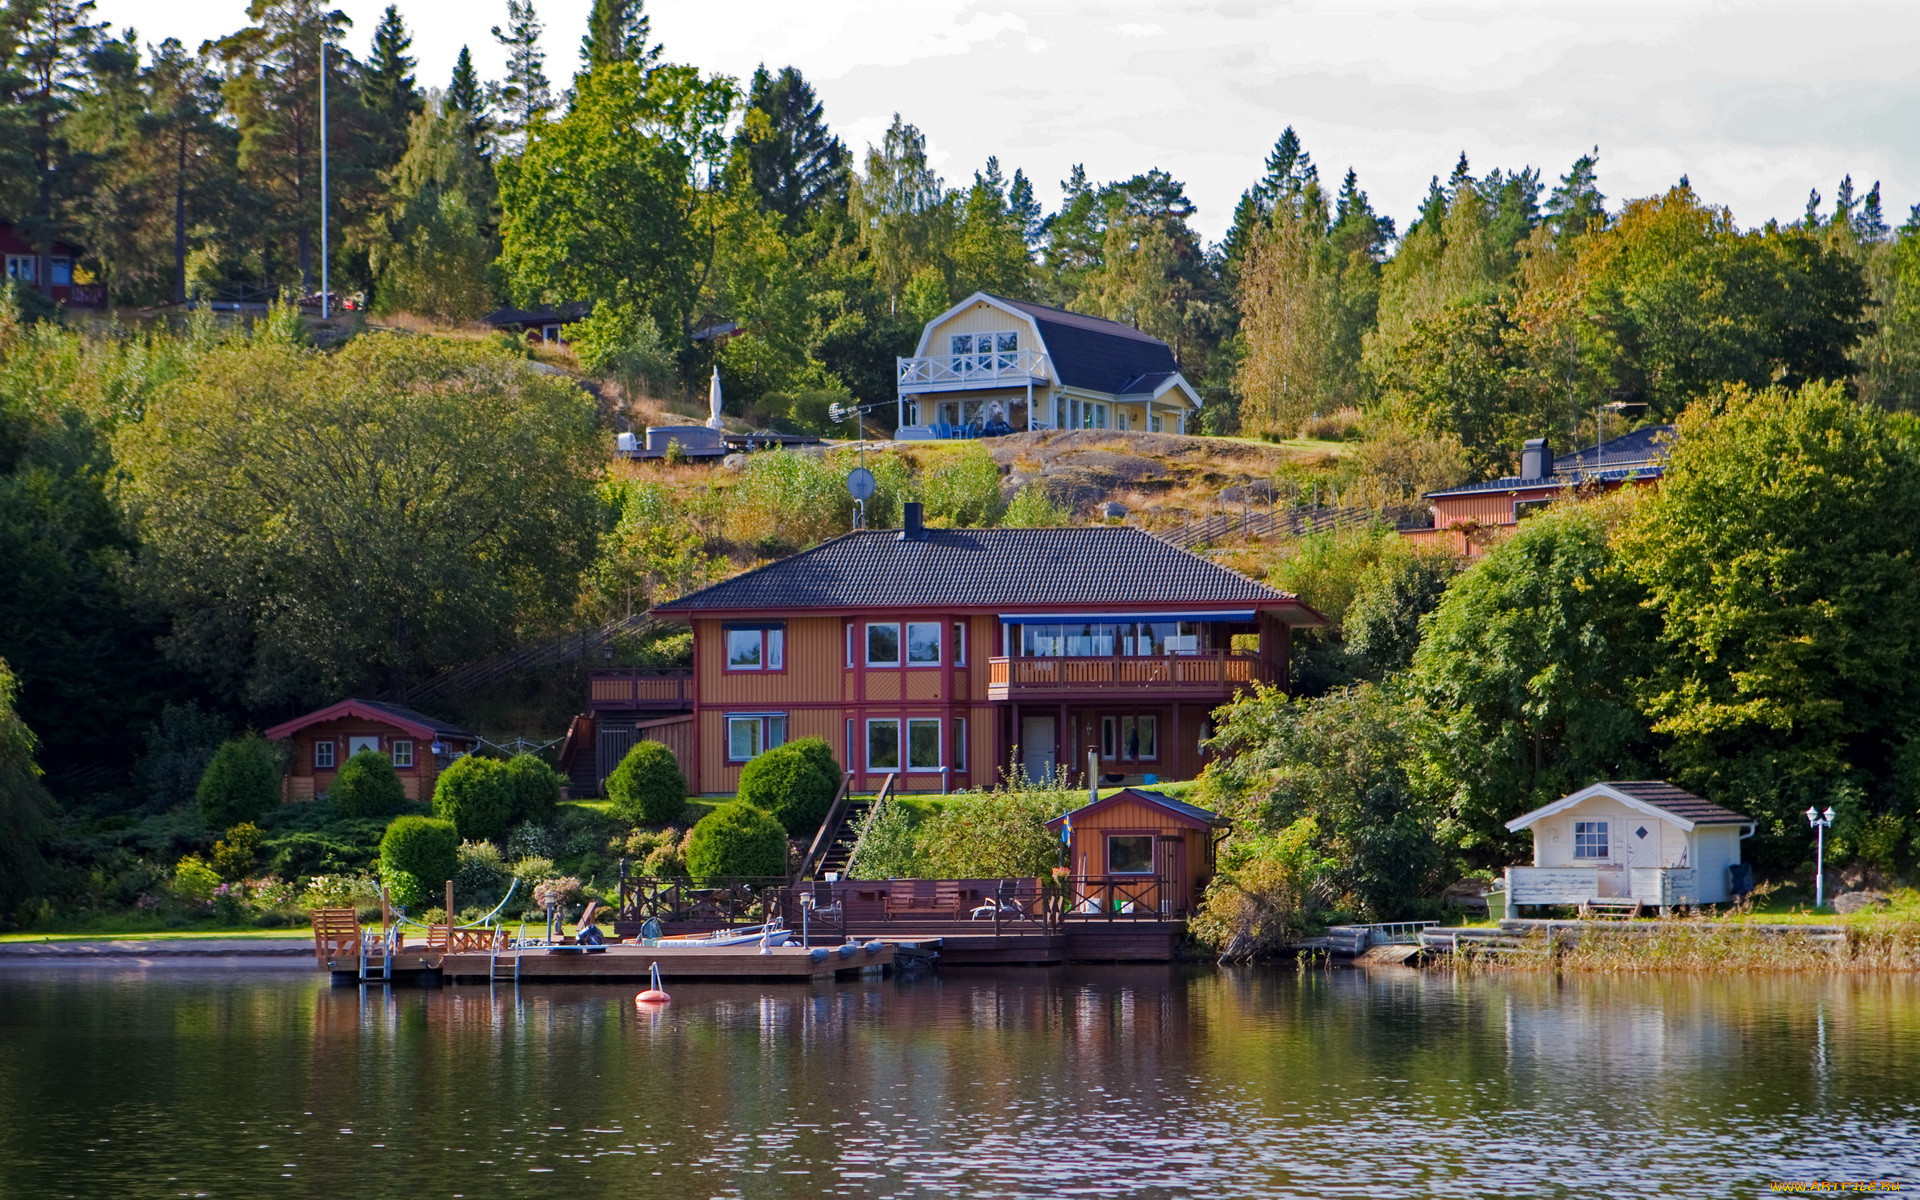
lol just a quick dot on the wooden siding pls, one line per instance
(304, 781)
(814, 651)
(1185, 863)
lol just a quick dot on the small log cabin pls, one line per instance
(944, 656)
(419, 746)
(1142, 848)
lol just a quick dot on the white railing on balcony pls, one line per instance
(1003, 368)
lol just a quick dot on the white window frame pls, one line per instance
(1588, 835)
(332, 756)
(1153, 853)
(899, 646)
(770, 729)
(850, 627)
(401, 752)
(939, 750)
(922, 626)
(898, 729)
(23, 267)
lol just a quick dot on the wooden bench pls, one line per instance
(929, 897)
(336, 934)
(1618, 908)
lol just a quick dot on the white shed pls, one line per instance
(1644, 840)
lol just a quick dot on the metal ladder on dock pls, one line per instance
(376, 969)
(494, 973)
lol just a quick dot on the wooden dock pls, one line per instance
(538, 964)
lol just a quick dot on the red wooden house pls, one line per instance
(49, 274)
(1141, 848)
(419, 746)
(940, 656)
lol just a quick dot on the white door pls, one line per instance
(1638, 845)
(356, 744)
(1036, 747)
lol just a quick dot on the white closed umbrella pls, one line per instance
(713, 401)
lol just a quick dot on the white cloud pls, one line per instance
(1140, 30)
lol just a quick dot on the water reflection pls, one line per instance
(1128, 1082)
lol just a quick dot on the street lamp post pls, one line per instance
(1820, 821)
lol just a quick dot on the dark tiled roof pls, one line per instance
(1647, 445)
(1145, 384)
(1181, 807)
(438, 726)
(1679, 802)
(1095, 353)
(502, 317)
(1637, 455)
(984, 568)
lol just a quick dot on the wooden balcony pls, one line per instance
(639, 689)
(987, 369)
(1214, 675)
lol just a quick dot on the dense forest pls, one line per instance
(209, 524)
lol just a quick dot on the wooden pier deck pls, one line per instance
(676, 962)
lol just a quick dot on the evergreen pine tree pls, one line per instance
(464, 95)
(1843, 202)
(1576, 204)
(1026, 209)
(794, 160)
(387, 90)
(526, 94)
(619, 31)
(1871, 224)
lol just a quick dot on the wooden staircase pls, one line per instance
(833, 847)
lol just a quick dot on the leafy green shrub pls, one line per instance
(999, 834)
(476, 794)
(193, 879)
(888, 849)
(1265, 894)
(233, 859)
(791, 782)
(482, 875)
(737, 839)
(308, 854)
(528, 840)
(658, 854)
(367, 786)
(418, 854)
(241, 782)
(647, 787)
(536, 788)
(179, 746)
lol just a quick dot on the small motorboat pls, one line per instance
(772, 934)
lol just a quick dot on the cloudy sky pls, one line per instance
(1755, 102)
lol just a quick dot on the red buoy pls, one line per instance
(655, 994)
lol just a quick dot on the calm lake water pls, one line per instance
(1126, 1082)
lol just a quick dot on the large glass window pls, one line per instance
(24, 267)
(883, 745)
(748, 734)
(1100, 640)
(744, 650)
(984, 352)
(60, 271)
(923, 744)
(1130, 854)
(883, 645)
(1590, 839)
(923, 643)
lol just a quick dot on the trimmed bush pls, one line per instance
(647, 787)
(536, 788)
(795, 782)
(241, 782)
(233, 859)
(367, 786)
(737, 839)
(476, 794)
(418, 854)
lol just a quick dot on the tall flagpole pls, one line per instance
(326, 297)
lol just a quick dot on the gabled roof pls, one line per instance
(1095, 353)
(1641, 454)
(418, 724)
(1654, 797)
(1100, 567)
(1191, 815)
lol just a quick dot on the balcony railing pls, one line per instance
(1209, 674)
(639, 689)
(1002, 368)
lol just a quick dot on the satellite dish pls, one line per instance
(860, 483)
